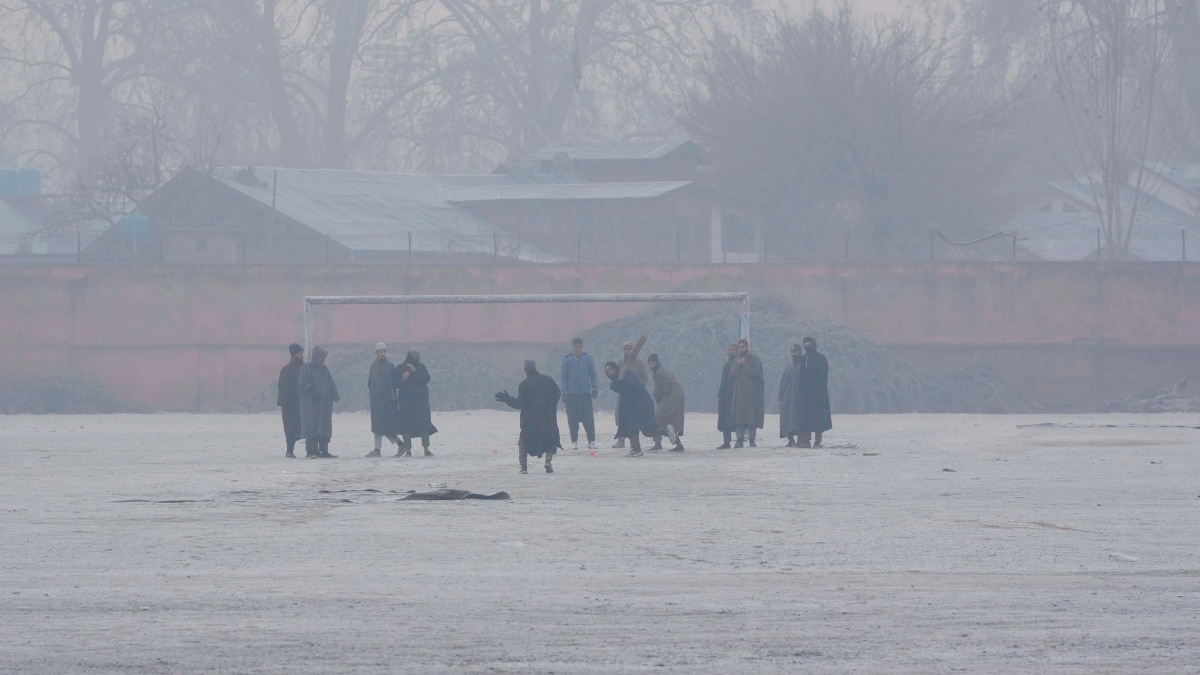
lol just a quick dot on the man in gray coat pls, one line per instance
(317, 394)
(668, 405)
(749, 393)
(381, 391)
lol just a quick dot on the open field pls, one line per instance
(186, 543)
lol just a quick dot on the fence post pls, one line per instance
(579, 247)
(495, 246)
(326, 248)
(78, 248)
(1014, 245)
(1098, 246)
(410, 247)
(846, 253)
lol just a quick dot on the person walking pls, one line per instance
(725, 423)
(381, 390)
(537, 399)
(791, 398)
(635, 406)
(414, 418)
(746, 380)
(817, 416)
(638, 367)
(317, 396)
(288, 399)
(668, 405)
(579, 388)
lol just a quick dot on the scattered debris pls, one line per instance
(1121, 557)
(949, 469)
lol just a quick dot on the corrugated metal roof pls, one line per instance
(366, 211)
(1186, 176)
(569, 191)
(612, 150)
(1151, 208)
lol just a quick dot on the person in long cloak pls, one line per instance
(635, 406)
(725, 423)
(749, 393)
(381, 390)
(791, 398)
(817, 416)
(289, 397)
(412, 399)
(638, 367)
(668, 405)
(537, 399)
(317, 395)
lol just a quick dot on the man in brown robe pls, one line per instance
(749, 393)
(668, 405)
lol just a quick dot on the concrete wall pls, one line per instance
(206, 337)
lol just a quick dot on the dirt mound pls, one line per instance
(58, 395)
(1169, 400)
(864, 376)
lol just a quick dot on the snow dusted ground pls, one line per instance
(187, 543)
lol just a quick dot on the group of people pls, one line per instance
(400, 412)
(804, 414)
(399, 396)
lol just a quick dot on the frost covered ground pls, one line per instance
(186, 543)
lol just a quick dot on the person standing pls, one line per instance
(537, 399)
(638, 367)
(817, 416)
(749, 393)
(381, 390)
(412, 398)
(289, 397)
(317, 395)
(725, 423)
(668, 405)
(579, 388)
(791, 398)
(635, 406)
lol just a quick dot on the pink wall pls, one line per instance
(204, 337)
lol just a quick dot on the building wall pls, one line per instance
(204, 337)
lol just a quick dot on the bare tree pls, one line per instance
(1109, 60)
(829, 123)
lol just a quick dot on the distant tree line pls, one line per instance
(820, 123)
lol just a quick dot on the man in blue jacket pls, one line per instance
(579, 387)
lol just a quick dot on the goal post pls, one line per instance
(311, 301)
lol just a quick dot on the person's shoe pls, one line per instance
(817, 445)
(292, 455)
(724, 446)
(574, 445)
(405, 452)
(524, 470)
(678, 447)
(620, 443)
(753, 444)
(374, 453)
(803, 444)
(657, 447)
(549, 469)
(634, 453)
(427, 452)
(790, 444)
(591, 445)
(739, 444)
(328, 455)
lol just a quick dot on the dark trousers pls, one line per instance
(579, 411)
(314, 447)
(524, 455)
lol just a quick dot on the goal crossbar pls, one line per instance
(310, 301)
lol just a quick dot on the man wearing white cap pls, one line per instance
(382, 392)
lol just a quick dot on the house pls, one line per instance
(540, 210)
(1061, 223)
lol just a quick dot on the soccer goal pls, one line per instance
(311, 301)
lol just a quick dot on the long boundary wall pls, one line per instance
(206, 337)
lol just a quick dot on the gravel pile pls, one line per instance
(1173, 399)
(58, 395)
(865, 377)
